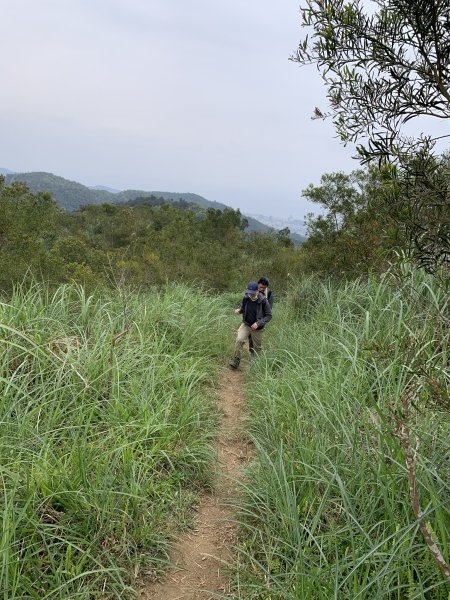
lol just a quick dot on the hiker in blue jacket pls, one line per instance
(256, 312)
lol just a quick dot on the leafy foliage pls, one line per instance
(144, 243)
(356, 233)
(418, 198)
(382, 69)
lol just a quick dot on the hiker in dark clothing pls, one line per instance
(256, 312)
(263, 288)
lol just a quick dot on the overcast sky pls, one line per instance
(170, 95)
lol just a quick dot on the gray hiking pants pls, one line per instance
(246, 333)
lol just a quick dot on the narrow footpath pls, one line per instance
(200, 556)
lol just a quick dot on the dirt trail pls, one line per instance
(200, 555)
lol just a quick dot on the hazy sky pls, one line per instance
(171, 95)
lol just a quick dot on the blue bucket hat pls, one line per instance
(252, 288)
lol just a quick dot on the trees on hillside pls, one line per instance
(383, 68)
(29, 224)
(147, 244)
(354, 232)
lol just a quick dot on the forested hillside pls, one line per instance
(71, 195)
(141, 244)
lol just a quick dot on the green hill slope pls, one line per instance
(70, 195)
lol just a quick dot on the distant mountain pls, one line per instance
(105, 188)
(295, 225)
(4, 171)
(127, 195)
(70, 195)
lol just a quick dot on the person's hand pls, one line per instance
(237, 311)
(255, 326)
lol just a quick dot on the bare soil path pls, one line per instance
(200, 556)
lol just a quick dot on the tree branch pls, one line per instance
(403, 434)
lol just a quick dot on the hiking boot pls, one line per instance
(234, 364)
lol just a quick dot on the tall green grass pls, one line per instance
(102, 447)
(327, 512)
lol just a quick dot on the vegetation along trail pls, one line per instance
(200, 556)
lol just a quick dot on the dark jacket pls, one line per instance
(263, 310)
